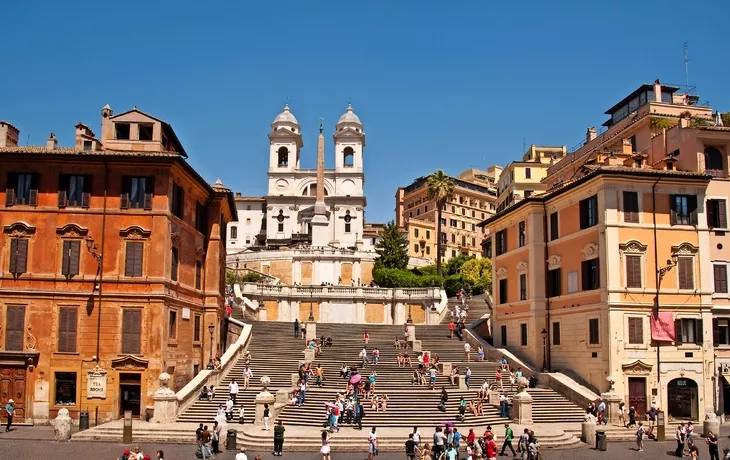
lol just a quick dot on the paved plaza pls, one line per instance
(35, 443)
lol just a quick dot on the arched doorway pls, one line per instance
(683, 398)
(713, 159)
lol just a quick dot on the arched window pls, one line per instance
(283, 156)
(713, 159)
(348, 157)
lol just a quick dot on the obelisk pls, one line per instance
(320, 222)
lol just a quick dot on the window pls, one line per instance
(501, 241)
(503, 335)
(67, 320)
(65, 388)
(133, 258)
(473, 227)
(196, 328)
(201, 218)
(523, 286)
(463, 225)
(716, 214)
(528, 173)
(633, 271)
(453, 253)
(683, 210)
(593, 335)
(636, 331)
(198, 274)
(18, 256)
(688, 330)
(443, 237)
(144, 131)
(528, 193)
(234, 232)
(174, 262)
(283, 156)
(521, 233)
(632, 139)
(428, 234)
(137, 192)
(121, 130)
(418, 211)
(453, 238)
(22, 189)
(720, 275)
(631, 207)
(178, 201)
(482, 216)
(14, 327)
(348, 157)
(131, 331)
(463, 241)
(487, 245)
(473, 213)
(463, 211)
(720, 331)
(473, 242)
(503, 291)
(554, 287)
(172, 325)
(88, 145)
(280, 227)
(443, 221)
(248, 240)
(415, 232)
(685, 272)
(523, 334)
(70, 260)
(554, 235)
(556, 333)
(425, 208)
(428, 250)
(74, 191)
(453, 223)
(591, 278)
(589, 212)
(415, 248)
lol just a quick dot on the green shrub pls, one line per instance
(399, 278)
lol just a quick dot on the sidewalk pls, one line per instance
(33, 433)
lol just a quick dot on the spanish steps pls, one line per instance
(276, 353)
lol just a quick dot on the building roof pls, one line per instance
(166, 128)
(286, 116)
(422, 181)
(349, 116)
(255, 199)
(636, 92)
(591, 172)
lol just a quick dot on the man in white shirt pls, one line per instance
(364, 356)
(467, 351)
(229, 409)
(242, 454)
(372, 445)
(233, 390)
(416, 435)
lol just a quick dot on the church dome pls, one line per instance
(349, 117)
(286, 117)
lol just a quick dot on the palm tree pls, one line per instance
(440, 189)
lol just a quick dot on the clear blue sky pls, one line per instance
(437, 84)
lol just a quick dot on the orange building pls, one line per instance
(111, 268)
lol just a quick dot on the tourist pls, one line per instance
(364, 356)
(372, 444)
(396, 343)
(450, 454)
(622, 414)
(632, 416)
(241, 415)
(203, 393)
(366, 337)
(462, 408)
(690, 433)
(650, 417)
(454, 374)
(211, 392)
(297, 328)
(512, 380)
(216, 436)
(480, 353)
(503, 406)
(416, 435)
(319, 375)
(523, 442)
(229, 410)
(439, 438)
(432, 376)
(508, 436)
(220, 414)
(9, 411)
(726, 453)
(411, 447)
(325, 449)
(457, 439)
(241, 455)
(452, 327)
(266, 417)
(467, 377)
(426, 359)
(247, 375)
(233, 389)
(399, 359)
(533, 448)
(444, 398)
(407, 359)
(359, 414)
(467, 352)
(205, 439)
(303, 330)
(640, 437)
(713, 445)
(483, 392)
(376, 355)
(491, 447)
(344, 371)
(426, 453)
(160, 455)
(279, 438)
(679, 437)
(693, 452)
(498, 378)
(518, 373)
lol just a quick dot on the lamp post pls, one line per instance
(211, 365)
(311, 307)
(410, 318)
(544, 334)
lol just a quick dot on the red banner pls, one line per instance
(662, 327)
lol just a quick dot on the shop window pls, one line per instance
(65, 388)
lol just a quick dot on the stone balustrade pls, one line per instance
(430, 294)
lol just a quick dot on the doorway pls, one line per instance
(682, 399)
(130, 392)
(637, 395)
(12, 386)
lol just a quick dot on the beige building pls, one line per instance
(474, 199)
(522, 179)
(631, 227)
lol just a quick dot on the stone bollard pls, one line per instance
(416, 345)
(522, 408)
(165, 408)
(711, 423)
(494, 398)
(294, 380)
(262, 399)
(411, 329)
(588, 430)
(308, 355)
(444, 368)
(62, 426)
(311, 331)
(461, 382)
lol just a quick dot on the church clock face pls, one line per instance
(348, 217)
(280, 217)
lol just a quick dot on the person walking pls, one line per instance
(233, 390)
(508, 436)
(372, 444)
(205, 438)
(10, 410)
(279, 438)
(325, 449)
(467, 377)
(216, 437)
(523, 442)
(411, 447)
(241, 455)
(247, 375)
(467, 352)
(491, 448)
(713, 445)
(640, 437)
(266, 417)
(679, 437)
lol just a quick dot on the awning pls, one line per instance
(727, 378)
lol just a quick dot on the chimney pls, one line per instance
(8, 135)
(591, 134)
(51, 142)
(238, 194)
(657, 91)
(626, 147)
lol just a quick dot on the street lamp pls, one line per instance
(410, 318)
(544, 334)
(211, 365)
(311, 306)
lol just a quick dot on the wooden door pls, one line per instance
(12, 386)
(637, 395)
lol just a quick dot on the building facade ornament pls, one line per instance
(135, 232)
(175, 238)
(30, 341)
(554, 262)
(638, 367)
(521, 267)
(632, 247)
(590, 251)
(72, 231)
(129, 362)
(501, 273)
(19, 230)
(685, 249)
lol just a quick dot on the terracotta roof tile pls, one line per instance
(75, 151)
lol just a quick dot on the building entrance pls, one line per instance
(12, 386)
(682, 396)
(637, 395)
(130, 391)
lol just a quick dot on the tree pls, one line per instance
(440, 189)
(478, 272)
(725, 119)
(392, 249)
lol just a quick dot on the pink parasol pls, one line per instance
(355, 378)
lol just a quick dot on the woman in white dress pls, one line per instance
(325, 450)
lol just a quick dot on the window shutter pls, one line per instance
(15, 327)
(692, 205)
(678, 331)
(131, 324)
(124, 198)
(65, 260)
(699, 333)
(9, 197)
(33, 200)
(631, 207)
(715, 333)
(138, 259)
(720, 275)
(62, 187)
(67, 330)
(18, 256)
(584, 214)
(85, 199)
(633, 271)
(711, 213)
(148, 201)
(133, 259)
(174, 264)
(686, 278)
(74, 255)
(721, 213)
(136, 330)
(672, 210)
(150, 192)
(13, 256)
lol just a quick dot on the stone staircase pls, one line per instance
(276, 353)
(478, 308)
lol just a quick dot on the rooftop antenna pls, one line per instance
(686, 67)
